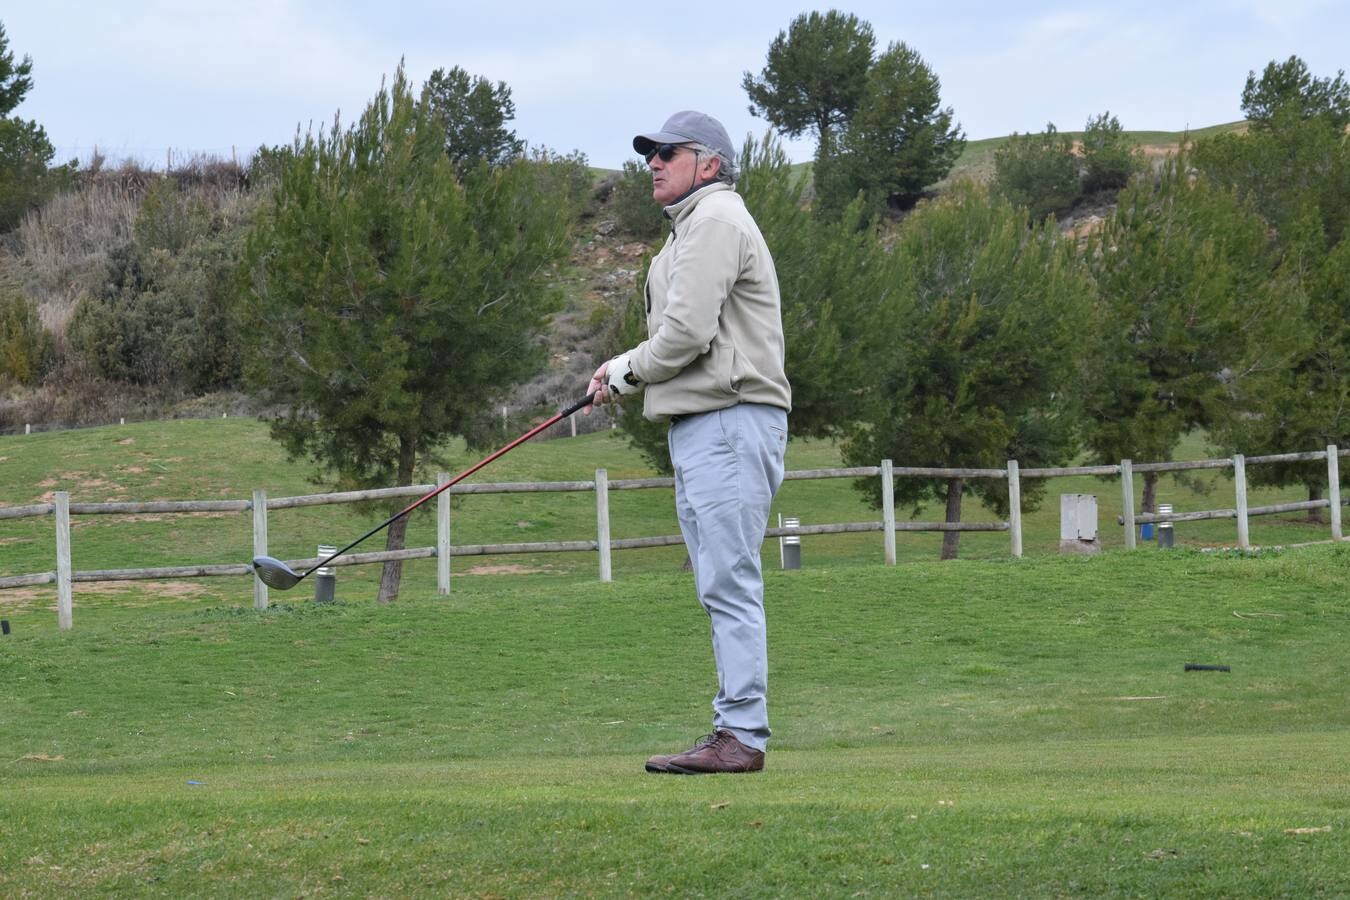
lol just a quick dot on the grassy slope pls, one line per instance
(978, 157)
(977, 160)
(947, 729)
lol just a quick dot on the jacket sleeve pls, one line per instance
(707, 264)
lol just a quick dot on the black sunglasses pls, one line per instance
(665, 151)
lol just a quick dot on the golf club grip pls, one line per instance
(558, 417)
(578, 406)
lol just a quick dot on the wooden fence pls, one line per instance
(604, 544)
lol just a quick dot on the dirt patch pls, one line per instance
(159, 590)
(83, 522)
(15, 596)
(175, 589)
(506, 569)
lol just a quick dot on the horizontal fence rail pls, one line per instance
(603, 544)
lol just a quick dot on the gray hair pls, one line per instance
(726, 172)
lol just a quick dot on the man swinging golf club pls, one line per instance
(712, 366)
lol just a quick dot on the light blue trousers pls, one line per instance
(728, 465)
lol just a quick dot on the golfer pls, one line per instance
(712, 366)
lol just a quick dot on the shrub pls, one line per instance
(25, 346)
(1038, 172)
(161, 314)
(1109, 158)
(631, 203)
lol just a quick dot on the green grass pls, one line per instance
(945, 729)
(989, 727)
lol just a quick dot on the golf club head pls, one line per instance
(274, 573)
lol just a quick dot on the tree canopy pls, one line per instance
(1289, 86)
(898, 141)
(474, 113)
(814, 75)
(881, 131)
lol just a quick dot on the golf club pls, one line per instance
(276, 574)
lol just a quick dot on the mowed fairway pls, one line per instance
(987, 727)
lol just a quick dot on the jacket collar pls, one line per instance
(683, 206)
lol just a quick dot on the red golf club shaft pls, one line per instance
(563, 414)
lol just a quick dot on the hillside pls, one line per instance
(63, 252)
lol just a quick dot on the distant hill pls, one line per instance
(978, 158)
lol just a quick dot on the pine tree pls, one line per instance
(1188, 316)
(971, 351)
(474, 113)
(898, 141)
(26, 179)
(1294, 172)
(386, 304)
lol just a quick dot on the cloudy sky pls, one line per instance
(145, 78)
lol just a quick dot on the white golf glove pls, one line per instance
(620, 378)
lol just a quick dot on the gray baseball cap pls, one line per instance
(690, 126)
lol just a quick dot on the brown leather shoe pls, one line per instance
(719, 752)
(658, 763)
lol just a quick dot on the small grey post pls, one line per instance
(64, 600)
(443, 537)
(325, 578)
(792, 544)
(1240, 486)
(1334, 490)
(1015, 508)
(1127, 498)
(259, 545)
(888, 508)
(1166, 533)
(602, 524)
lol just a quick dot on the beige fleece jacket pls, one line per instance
(714, 316)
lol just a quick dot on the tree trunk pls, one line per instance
(1315, 515)
(951, 540)
(1150, 502)
(393, 570)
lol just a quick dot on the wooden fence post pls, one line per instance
(259, 545)
(1127, 498)
(1334, 490)
(1015, 508)
(443, 537)
(64, 600)
(888, 508)
(1240, 487)
(602, 523)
